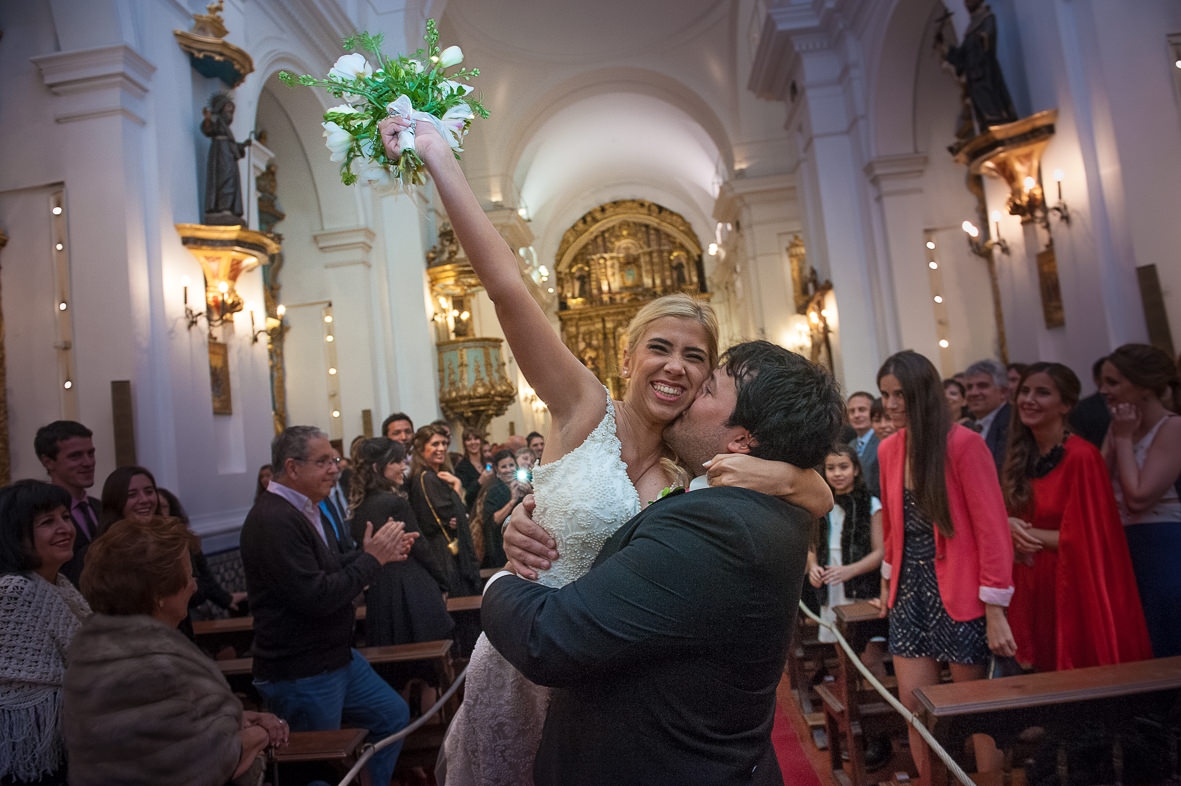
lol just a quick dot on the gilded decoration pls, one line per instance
(611, 262)
(271, 213)
(474, 386)
(211, 55)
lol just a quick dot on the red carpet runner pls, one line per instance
(793, 762)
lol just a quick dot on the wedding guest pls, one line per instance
(947, 574)
(846, 552)
(866, 441)
(264, 478)
(301, 595)
(66, 449)
(435, 497)
(208, 587)
(986, 383)
(494, 505)
(1013, 373)
(883, 424)
(41, 613)
(405, 602)
(472, 469)
(1143, 453)
(536, 442)
(1075, 602)
(399, 427)
(142, 704)
(128, 493)
(953, 391)
(1090, 418)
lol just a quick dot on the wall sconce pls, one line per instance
(983, 248)
(225, 253)
(220, 304)
(271, 324)
(1060, 209)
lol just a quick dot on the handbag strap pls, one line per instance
(427, 497)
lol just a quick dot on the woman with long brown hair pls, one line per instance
(405, 601)
(1143, 452)
(947, 574)
(436, 497)
(1075, 602)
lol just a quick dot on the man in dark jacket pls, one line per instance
(301, 593)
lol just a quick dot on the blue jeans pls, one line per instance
(353, 694)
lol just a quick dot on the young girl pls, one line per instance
(847, 550)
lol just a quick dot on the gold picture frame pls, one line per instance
(219, 378)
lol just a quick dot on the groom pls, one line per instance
(668, 652)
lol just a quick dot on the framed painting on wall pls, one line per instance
(219, 378)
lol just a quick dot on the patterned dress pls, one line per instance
(582, 499)
(920, 626)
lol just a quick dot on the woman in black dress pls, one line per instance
(436, 497)
(495, 504)
(405, 602)
(471, 469)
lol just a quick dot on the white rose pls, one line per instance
(375, 175)
(349, 67)
(454, 120)
(344, 109)
(452, 55)
(451, 86)
(337, 140)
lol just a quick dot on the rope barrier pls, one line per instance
(368, 750)
(954, 769)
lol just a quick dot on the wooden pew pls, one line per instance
(338, 748)
(438, 650)
(1062, 702)
(464, 603)
(848, 703)
(806, 657)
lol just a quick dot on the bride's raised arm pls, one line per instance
(570, 390)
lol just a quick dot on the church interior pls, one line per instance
(816, 170)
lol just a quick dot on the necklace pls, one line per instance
(1044, 465)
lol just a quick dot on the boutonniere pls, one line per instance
(668, 491)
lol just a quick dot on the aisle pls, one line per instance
(794, 762)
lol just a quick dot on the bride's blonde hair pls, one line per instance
(676, 305)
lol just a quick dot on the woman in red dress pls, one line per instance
(1075, 602)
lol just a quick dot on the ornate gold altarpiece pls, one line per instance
(611, 262)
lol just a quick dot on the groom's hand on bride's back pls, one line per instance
(529, 547)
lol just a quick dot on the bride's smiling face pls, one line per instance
(667, 366)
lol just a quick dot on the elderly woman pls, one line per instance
(40, 612)
(142, 704)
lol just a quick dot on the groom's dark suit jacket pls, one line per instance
(668, 652)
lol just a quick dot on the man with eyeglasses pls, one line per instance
(301, 592)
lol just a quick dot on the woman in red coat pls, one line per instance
(1076, 602)
(948, 566)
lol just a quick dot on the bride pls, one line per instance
(603, 459)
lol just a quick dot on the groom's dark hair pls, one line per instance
(793, 408)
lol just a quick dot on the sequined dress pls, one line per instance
(920, 626)
(582, 499)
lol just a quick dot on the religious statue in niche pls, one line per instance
(975, 63)
(223, 182)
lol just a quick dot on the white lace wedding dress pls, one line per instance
(582, 499)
